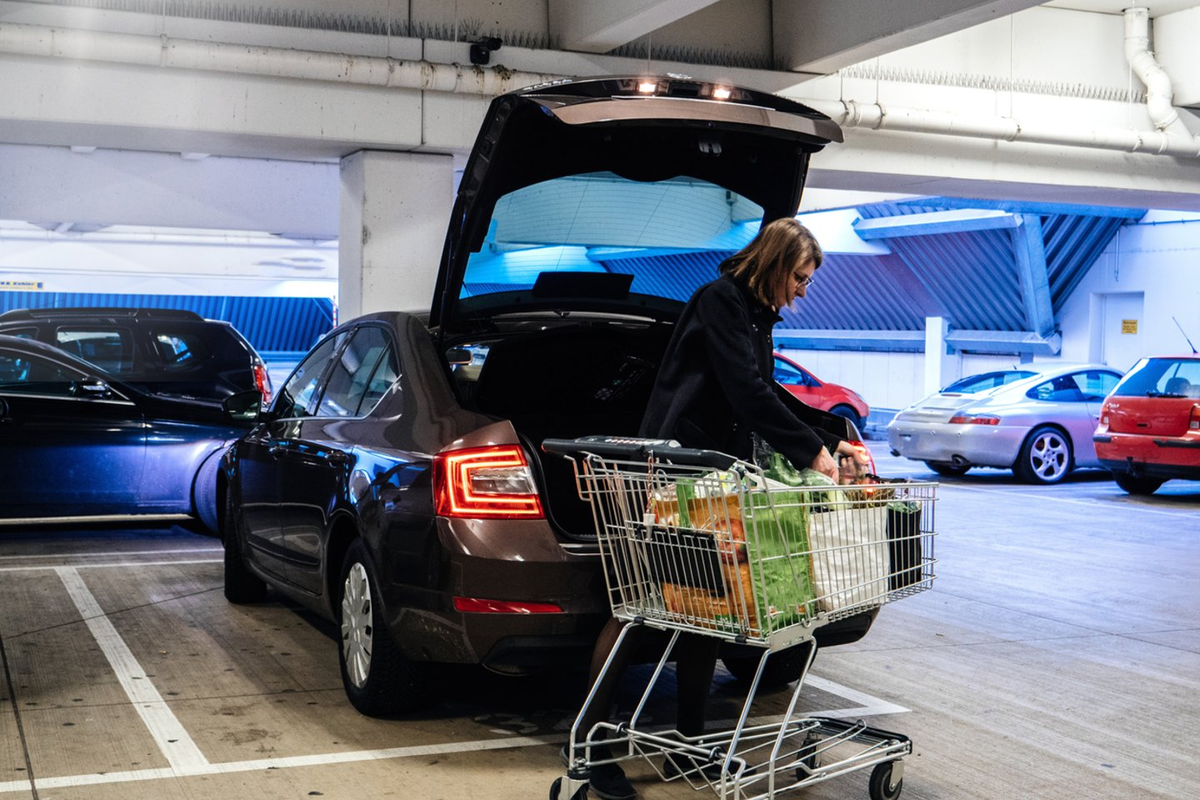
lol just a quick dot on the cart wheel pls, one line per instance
(881, 778)
(556, 787)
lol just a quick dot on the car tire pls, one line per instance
(846, 412)
(947, 469)
(241, 585)
(1045, 456)
(1136, 484)
(782, 668)
(379, 680)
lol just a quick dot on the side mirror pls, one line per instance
(92, 389)
(243, 406)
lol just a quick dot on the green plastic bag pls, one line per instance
(778, 548)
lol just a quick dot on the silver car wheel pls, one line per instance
(357, 625)
(1049, 456)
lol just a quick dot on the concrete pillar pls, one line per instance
(393, 217)
(941, 367)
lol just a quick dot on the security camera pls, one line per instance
(481, 50)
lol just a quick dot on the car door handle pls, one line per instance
(277, 451)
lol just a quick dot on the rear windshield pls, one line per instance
(987, 380)
(1162, 377)
(668, 236)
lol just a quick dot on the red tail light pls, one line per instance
(485, 483)
(1194, 418)
(476, 605)
(262, 382)
(974, 419)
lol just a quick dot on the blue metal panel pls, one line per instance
(268, 323)
(963, 220)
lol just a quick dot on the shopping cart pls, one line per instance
(695, 541)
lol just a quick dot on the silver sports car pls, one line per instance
(1037, 421)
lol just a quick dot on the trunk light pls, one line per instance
(974, 419)
(485, 483)
(721, 93)
(477, 605)
(647, 87)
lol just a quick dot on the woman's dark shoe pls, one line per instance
(608, 782)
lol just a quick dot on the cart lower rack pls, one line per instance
(697, 542)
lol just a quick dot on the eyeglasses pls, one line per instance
(802, 281)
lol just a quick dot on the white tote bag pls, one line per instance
(850, 556)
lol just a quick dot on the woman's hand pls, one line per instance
(857, 452)
(825, 464)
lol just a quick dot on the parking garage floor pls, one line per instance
(1058, 656)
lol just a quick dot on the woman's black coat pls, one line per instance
(716, 384)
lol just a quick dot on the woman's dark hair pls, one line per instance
(779, 246)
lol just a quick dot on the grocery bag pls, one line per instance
(904, 544)
(778, 546)
(850, 555)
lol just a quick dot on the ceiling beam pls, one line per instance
(592, 27)
(822, 36)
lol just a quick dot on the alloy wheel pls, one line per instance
(1049, 456)
(357, 625)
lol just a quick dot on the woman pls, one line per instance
(715, 390)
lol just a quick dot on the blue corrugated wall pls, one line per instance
(268, 323)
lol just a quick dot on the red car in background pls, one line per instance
(1149, 428)
(824, 396)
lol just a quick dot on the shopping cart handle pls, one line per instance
(630, 449)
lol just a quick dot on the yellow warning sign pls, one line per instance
(1129, 326)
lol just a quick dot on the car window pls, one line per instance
(987, 380)
(1063, 389)
(180, 350)
(23, 374)
(109, 348)
(1162, 377)
(788, 375)
(1096, 384)
(381, 380)
(21, 333)
(352, 372)
(298, 395)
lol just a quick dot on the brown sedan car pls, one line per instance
(396, 485)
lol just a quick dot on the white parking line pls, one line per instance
(1054, 498)
(106, 554)
(168, 733)
(125, 564)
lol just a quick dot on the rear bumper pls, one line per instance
(1153, 456)
(974, 445)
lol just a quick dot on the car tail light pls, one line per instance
(262, 382)
(974, 419)
(477, 605)
(1194, 418)
(485, 483)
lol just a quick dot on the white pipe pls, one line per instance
(276, 62)
(852, 114)
(1159, 95)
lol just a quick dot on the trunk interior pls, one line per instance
(564, 381)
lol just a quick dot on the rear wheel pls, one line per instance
(1045, 456)
(377, 677)
(241, 585)
(1136, 484)
(782, 668)
(947, 469)
(846, 412)
(880, 784)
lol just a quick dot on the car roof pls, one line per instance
(74, 312)
(640, 129)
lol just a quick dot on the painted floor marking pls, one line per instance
(173, 740)
(125, 564)
(116, 553)
(1140, 509)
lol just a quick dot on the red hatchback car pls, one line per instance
(1150, 425)
(818, 394)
